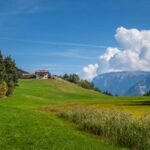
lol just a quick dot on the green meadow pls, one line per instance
(29, 118)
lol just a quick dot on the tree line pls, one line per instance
(8, 75)
(147, 93)
(74, 78)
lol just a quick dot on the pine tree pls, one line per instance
(74, 78)
(2, 68)
(10, 74)
(66, 77)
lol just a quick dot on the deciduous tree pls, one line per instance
(3, 89)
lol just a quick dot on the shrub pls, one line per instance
(122, 128)
(108, 93)
(86, 84)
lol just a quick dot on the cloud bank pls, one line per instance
(134, 54)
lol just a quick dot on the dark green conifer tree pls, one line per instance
(2, 68)
(11, 76)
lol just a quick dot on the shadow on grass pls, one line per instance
(139, 103)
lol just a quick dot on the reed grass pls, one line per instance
(122, 128)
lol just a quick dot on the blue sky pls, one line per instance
(65, 35)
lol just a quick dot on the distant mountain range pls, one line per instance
(124, 83)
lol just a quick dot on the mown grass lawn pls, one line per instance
(23, 126)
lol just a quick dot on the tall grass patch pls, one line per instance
(122, 128)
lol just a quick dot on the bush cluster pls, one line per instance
(108, 93)
(8, 75)
(88, 85)
(122, 128)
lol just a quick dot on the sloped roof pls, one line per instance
(41, 71)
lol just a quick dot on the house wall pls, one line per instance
(42, 77)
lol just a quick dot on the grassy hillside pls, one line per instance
(23, 124)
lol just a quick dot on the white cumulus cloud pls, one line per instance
(134, 54)
(90, 71)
